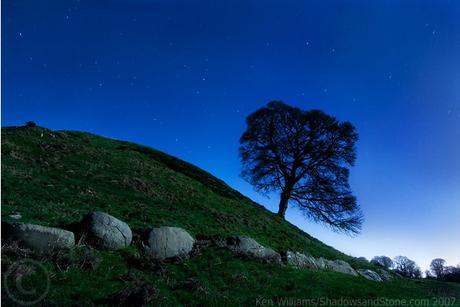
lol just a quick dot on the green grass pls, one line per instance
(55, 177)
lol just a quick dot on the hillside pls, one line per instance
(55, 177)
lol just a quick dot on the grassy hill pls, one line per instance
(55, 177)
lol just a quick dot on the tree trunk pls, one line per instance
(283, 204)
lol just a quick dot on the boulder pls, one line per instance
(300, 260)
(369, 274)
(385, 275)
(248, 247)
(15, 215)
(340, 266)
(38, 237)
(168, 242)
(320, 263)
(104, 231)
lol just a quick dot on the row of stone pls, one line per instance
(104, 231)
(248, 247)
(299, 260)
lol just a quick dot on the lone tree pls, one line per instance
(437, 267)
(406, 267)
(305, 156)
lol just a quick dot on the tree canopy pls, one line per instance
(437, 267)
(407, 267)
(305, 156)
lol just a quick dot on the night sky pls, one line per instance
(181, 76)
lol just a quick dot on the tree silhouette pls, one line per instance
(437, 267)
(451, 273)
(407, 267)
(303, 155)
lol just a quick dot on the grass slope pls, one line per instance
(55, 177)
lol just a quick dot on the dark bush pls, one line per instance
(31, 124)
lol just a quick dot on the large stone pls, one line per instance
(340, 266)
(38, 237)
(168, 242)
(300, 260)
(320, 263)
(369, 274)
(248, 247)
(104, 231)
(385, 275)
(15, 215)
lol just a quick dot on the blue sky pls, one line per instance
(181, 76)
